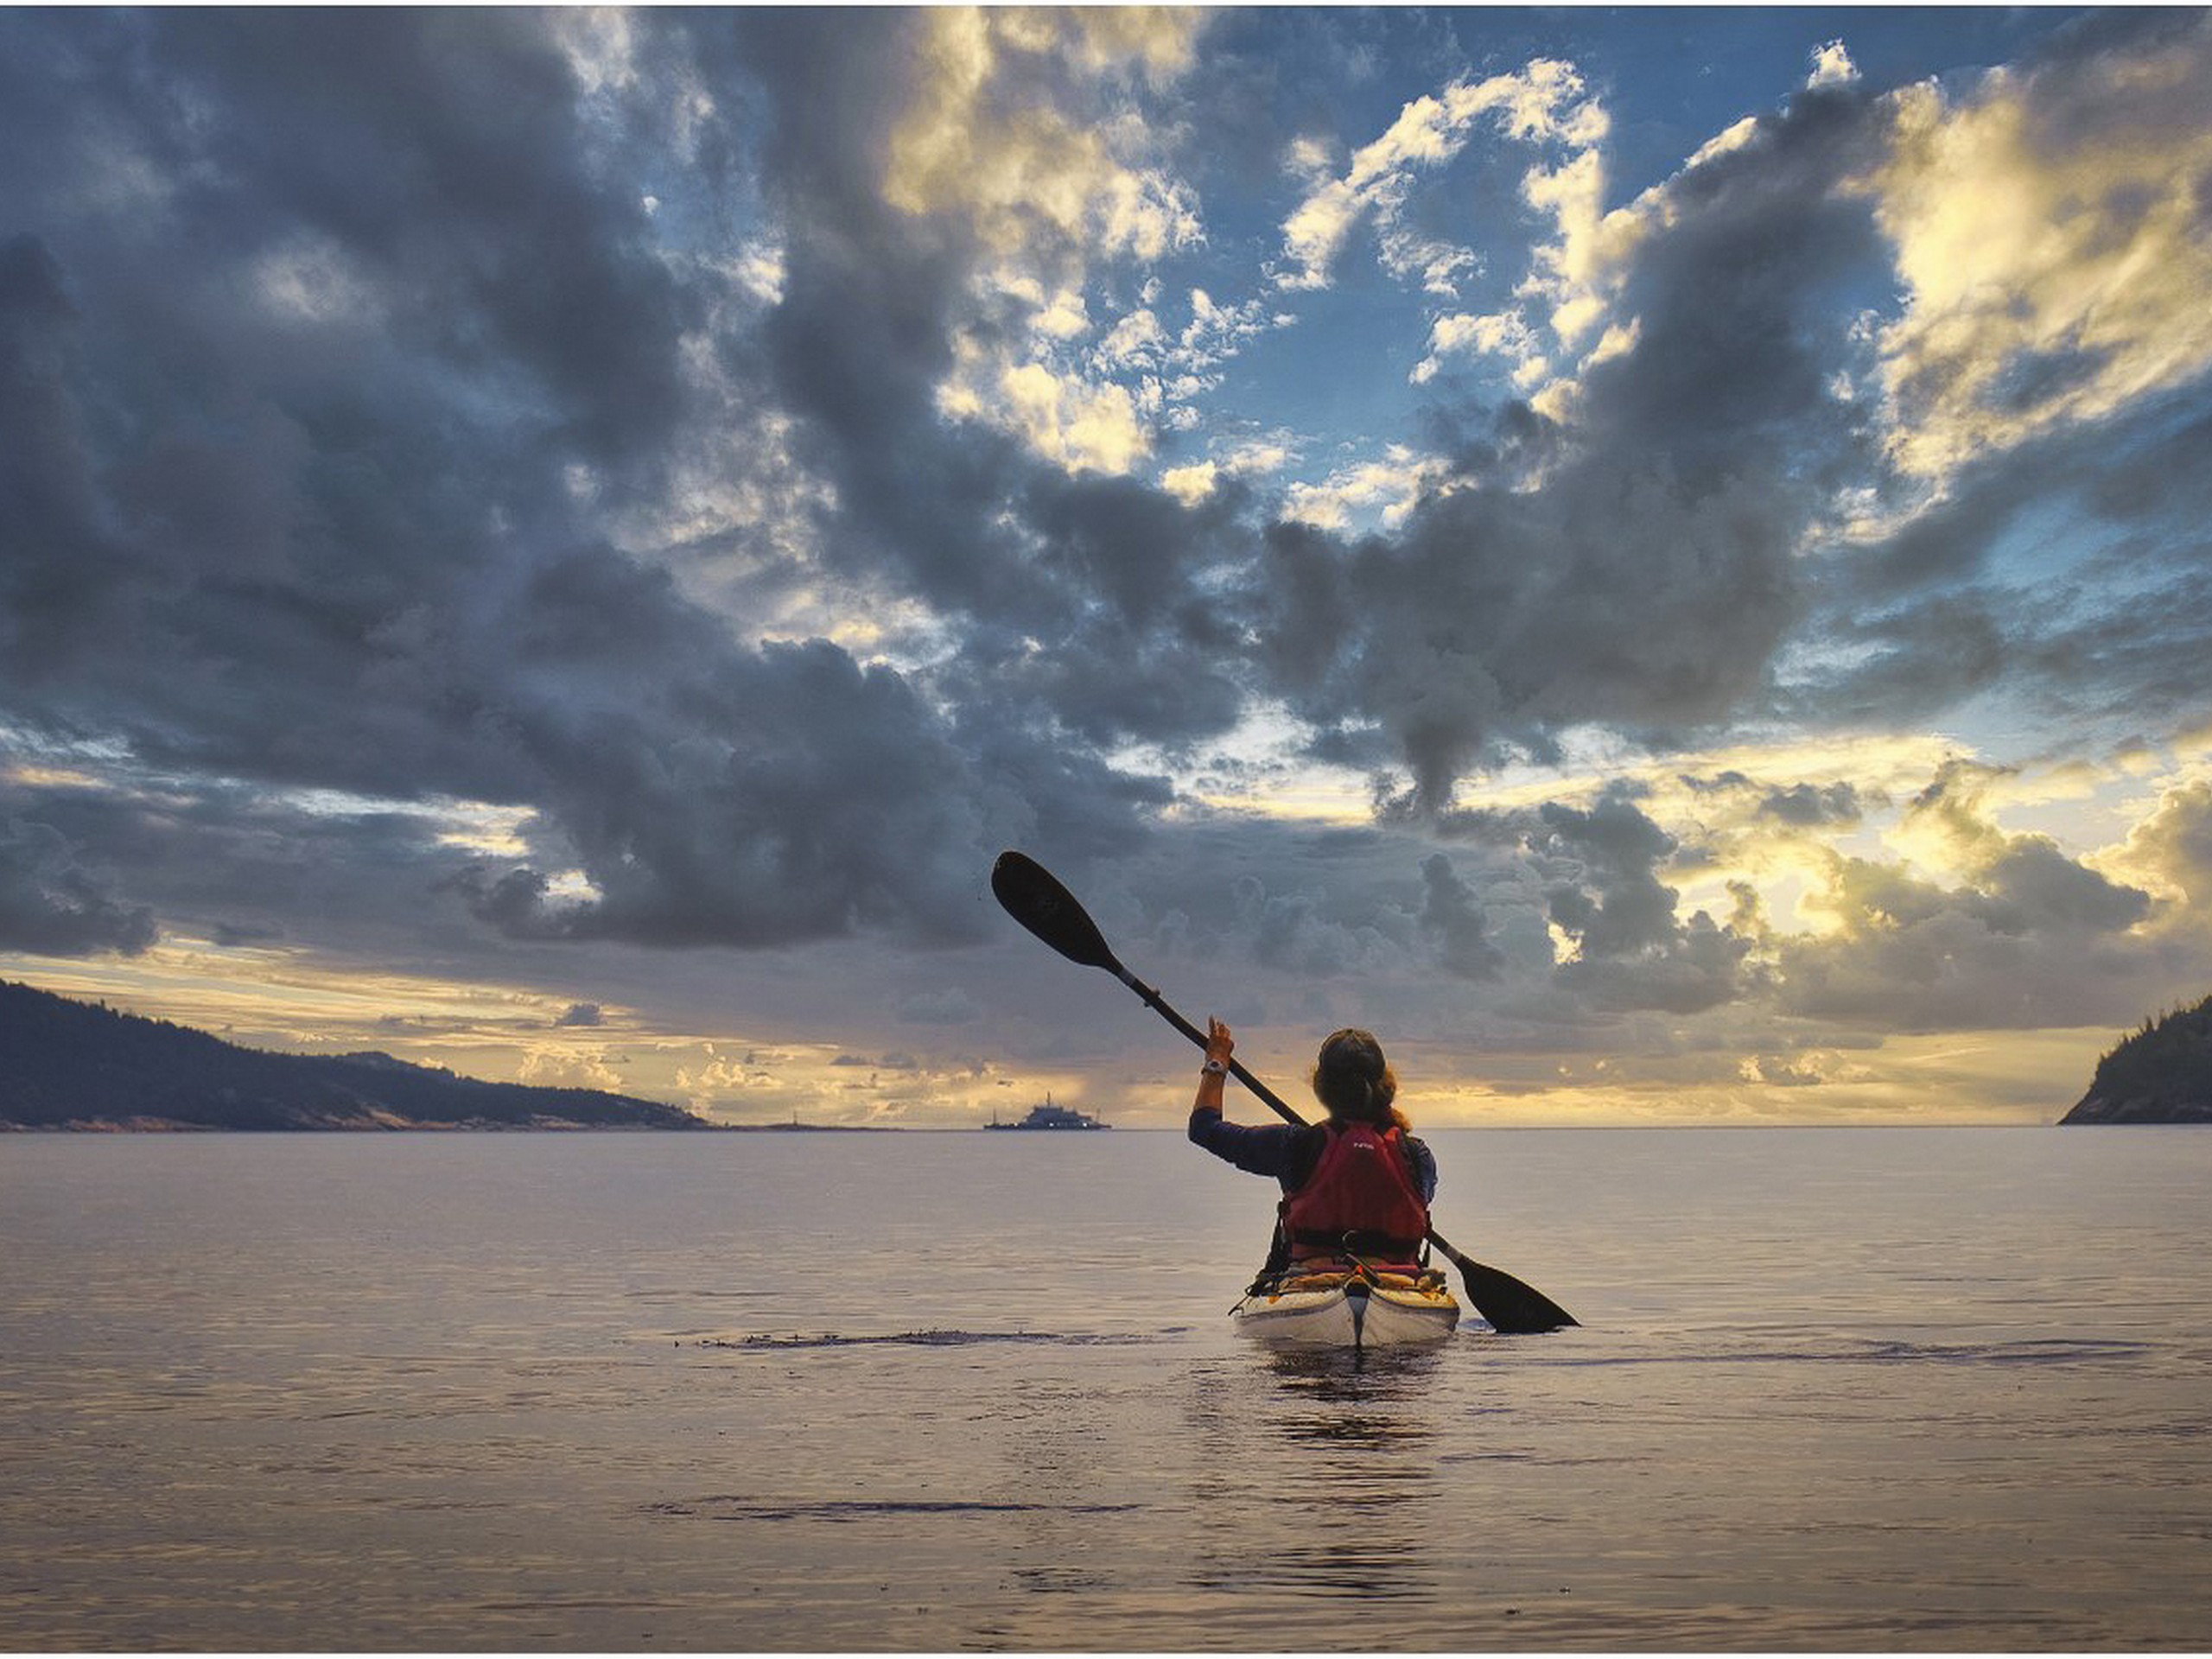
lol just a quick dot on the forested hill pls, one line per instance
(68, 1064)
(2162, 1074)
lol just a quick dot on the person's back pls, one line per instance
(1356, 1188)
(1361, 1202)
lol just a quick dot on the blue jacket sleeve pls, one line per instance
(1262, 1149)
(1424, 1168)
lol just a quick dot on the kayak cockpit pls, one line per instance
(1360, 1308)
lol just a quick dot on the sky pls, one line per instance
(1655, 558)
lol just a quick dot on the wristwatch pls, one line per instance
(1214, 1068)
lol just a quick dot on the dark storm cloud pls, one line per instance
(227, 861)
(1612, 900)
(1699, 969)
(1097, 571)
(1603, 890)
(57, 579)
(2110, 632)
(1377, 925)
(441, 152)
(323, 314)
(1807, 807)
(862, 337)
(803, 796)
(52, 906)
(1451, 911)
(1802, 806)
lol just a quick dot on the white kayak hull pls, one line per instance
(1349, 1314)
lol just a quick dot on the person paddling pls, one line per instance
(1355, 1188)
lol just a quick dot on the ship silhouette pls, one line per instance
(1045, 1116)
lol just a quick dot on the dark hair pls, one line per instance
(1353, 1080)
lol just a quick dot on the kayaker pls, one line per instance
(1357, 1187)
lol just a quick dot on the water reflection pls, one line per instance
(1330, 1474)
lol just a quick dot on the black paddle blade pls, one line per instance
(1512, 1308)
(1033, 897)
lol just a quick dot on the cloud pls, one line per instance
(1636, 564)
(1084, 428)
(52, 905)
(1612, 904)
(1805, 805)
(1741, 412)
(56, 579)
(1832, 64)
(300, 563)
(2008, 946)
(949, 1006)
(1389, 489)
(2048, 227)
(548, 1068)
(1540, 104)
(1505, 334)
(2172, 847)
(1453, 913)
(992, 140)
(970, 142)
(658, 479)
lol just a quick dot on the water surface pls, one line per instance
(1834, 1388)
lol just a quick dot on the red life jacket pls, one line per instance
(1361, 1197)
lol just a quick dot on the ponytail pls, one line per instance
(1353, 1080)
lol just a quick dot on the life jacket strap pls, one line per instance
(1358, 1243)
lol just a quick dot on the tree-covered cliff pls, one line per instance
(69, 1065)
(2162, 1074)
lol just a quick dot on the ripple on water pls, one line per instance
(722, 1507)
(938, 1339)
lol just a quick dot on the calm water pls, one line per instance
(1835, 1390)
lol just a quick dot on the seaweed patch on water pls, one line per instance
(926, 1339)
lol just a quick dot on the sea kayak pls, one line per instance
(1350, 1309)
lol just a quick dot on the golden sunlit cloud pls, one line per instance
(1048, 193)
(1385, 490)
(2056, 266)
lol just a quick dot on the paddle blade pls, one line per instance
(1512, 1308)
(1036, 899)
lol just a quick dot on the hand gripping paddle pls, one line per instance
(1035, 899)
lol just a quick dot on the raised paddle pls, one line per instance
(1033, 897)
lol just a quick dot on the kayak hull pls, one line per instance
(1348, 1310)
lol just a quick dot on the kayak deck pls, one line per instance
(1357, 1309)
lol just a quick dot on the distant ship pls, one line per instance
(1049, 1116)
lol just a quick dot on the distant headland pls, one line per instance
(2162, 1074)
(66, 1064)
